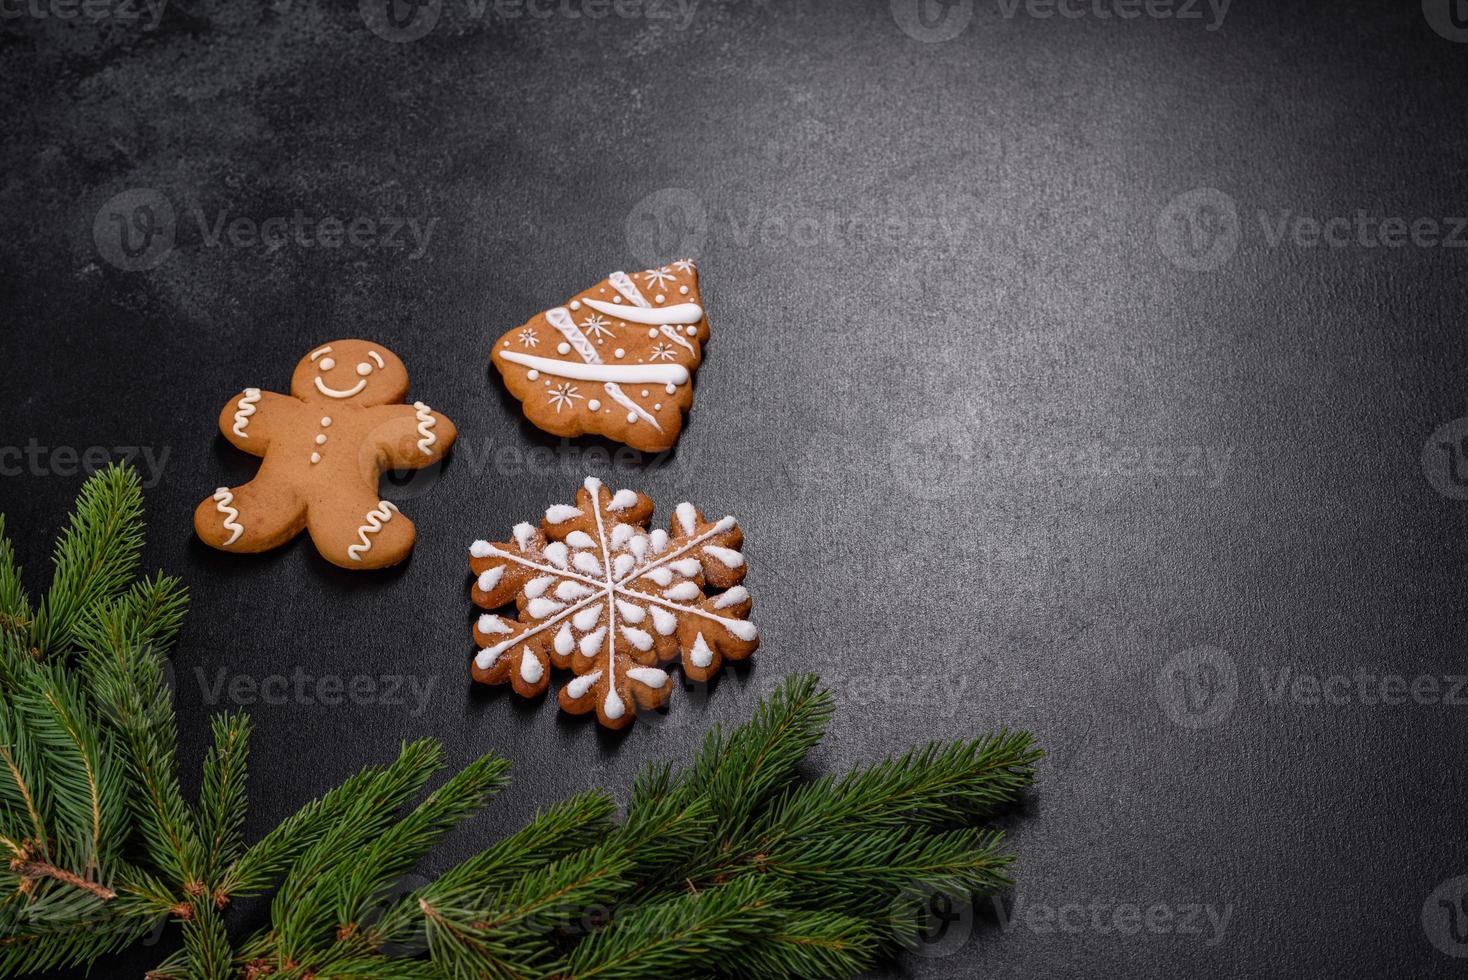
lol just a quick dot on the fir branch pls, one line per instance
(861, 874)
(397, 850)
(138, 703)
(24, 793)
(86, 780)
(552, 834)
(361, 818)
(25, 952)
(739, 773)
(460, 949)
(206, 945)
(935, 786)
(805, 944)
(682, 935)
(95, 556)
(222, 801)
(272, 856)
(15, 605)
(123, 640)
(734, 866)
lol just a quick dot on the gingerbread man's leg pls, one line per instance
(255, 517)
(357, 530)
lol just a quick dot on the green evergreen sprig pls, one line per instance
(734, 866)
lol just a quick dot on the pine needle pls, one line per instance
(96, 555)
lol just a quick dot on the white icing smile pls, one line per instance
(334, 393)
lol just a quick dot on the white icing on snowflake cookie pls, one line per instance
(599, 594)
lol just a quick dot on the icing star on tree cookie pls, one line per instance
(616, 360)
(598, 593)
(324, 446)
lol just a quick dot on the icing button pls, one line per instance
(315, 457)
(321, 440)
(325, 420)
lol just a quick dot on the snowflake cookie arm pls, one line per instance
(410, 437)
(248, 418)
(701, 631)
(616, 667)
(513, 651)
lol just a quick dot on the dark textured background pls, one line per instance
(1009, 447)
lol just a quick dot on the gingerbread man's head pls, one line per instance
(356, 372)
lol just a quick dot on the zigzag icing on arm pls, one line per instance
(685, 313)
(244, 410)
(426, 422)
(223, 499)
(375, 520)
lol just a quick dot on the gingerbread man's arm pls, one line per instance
(248, 418)
(411, 436)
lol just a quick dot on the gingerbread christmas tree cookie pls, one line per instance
(617, 360)
(324, 446)
(599, 594)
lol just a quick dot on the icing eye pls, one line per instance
(327, 364)
(364, 369)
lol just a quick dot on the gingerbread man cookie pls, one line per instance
(617, 360)
(324, 446)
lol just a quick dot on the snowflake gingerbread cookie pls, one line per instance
(596, 592)
(617, 360)
(324, 446)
